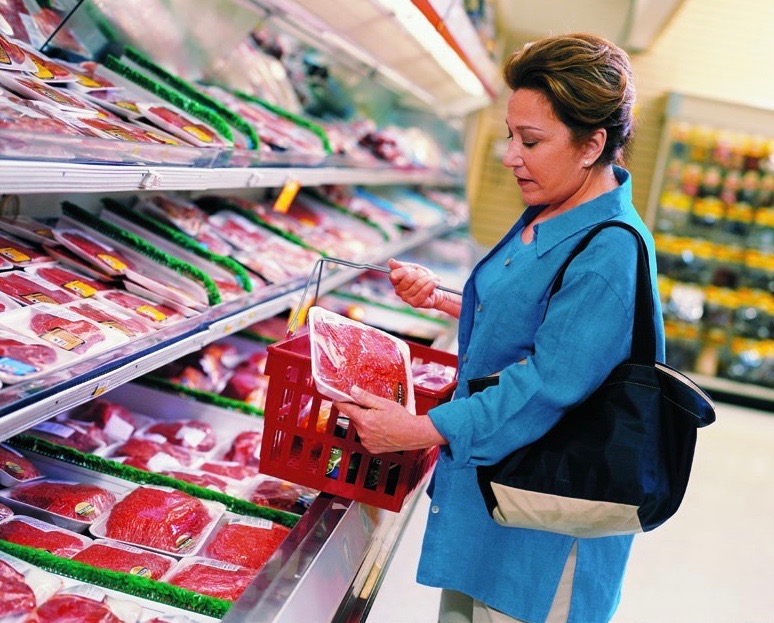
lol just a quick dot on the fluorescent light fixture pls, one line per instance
(415, 23)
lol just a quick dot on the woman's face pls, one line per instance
(546, 164)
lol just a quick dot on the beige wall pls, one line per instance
(721, 49)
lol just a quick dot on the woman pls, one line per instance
(569, 120)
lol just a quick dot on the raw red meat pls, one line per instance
(230, 469)
(167, 520)
(128, 326)
(283, 495)
(143, 450)
(201, 479)
(248, 387)
(157, 313)
(77, 336)
(189, 434)
(75, 500)
(115, 420)
(20, 254)
(18, 598)
(187, 216)
(15, 465)
(79, 284)
(25, 291)
(58, 541)
(348, 353)
(64, 608)
(246, 448)
(83, 437)
(48, 20)
(127, 560)
(223, 583)
(5, 512)
(198, 132)
(10, 53)
(95, 252)
(245, 544)
(36, 355)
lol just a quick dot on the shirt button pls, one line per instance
(480, 307)
(465, 357)
(435, 510)
(508, 261)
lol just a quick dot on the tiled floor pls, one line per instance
(711, 563)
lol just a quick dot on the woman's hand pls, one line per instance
(415, 284)
(386, 426)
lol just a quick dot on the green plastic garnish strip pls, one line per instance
(139, 476)
(136, 585)
(181, 239)
(189, 90)
(210, 398)
(169, 95)
(141, 246)
(314, 128)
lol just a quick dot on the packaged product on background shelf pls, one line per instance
(26, 228)
(33, 532)
(81, 436)
(145, 309)
(116, 421)
(102, 256)
(28, 289)
(20, 254)
(207, 480)
(189, 434)
(184, 126)
(151, 455)
(12, 57)
(15, 468)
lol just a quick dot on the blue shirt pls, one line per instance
(545, 365)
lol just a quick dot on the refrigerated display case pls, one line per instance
(330, 565)
(711, 210)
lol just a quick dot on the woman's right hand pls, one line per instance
(416, 285)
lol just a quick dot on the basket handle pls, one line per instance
(317, 270)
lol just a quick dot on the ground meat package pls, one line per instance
(345, 352)
(160, 518)
(23, 358)
(245, 541)
(71, 505)
(23, 587)
(85, 603)
(116, 556)
(42, 535)
(15, 468)
(211, 577)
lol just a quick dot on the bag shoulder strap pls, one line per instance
(644, 334)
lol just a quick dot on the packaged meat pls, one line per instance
(432, 375)
(283, 495)
(112, 318)
(152, 455)
(246, 448)
(67, 258)
(69, 608)
(248, 382)
(230, 469)
(15, 468)
(34, 89)
(157, 314)
(28, 289)
(210, 577)
(201, 479)
(7, 303)
(164, 519)
(26, 228)
(207, 369)
(23, 357)
(21, 254)
(117, 101)
(41, 535)
(185, 215)
(48, 21)
(189, 434)
(116, 556)
(80, 502)
(345, 352)
(182, 125)
(82, 436)
(115, 420)
(247, 542)
(62, 328)
(5, 512)
(12, 56)
(101, 255)
(19, 601)
(78, 284)
(47, 69)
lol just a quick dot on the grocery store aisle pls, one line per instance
(711, 563)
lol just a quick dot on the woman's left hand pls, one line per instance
(387, 426)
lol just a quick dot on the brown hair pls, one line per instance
(588, 81)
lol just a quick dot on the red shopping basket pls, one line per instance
(306, 441)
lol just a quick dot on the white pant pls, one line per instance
(459, 608)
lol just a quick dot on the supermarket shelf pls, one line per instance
(734, 392)
(32, 176)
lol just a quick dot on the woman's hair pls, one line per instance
(588, 81)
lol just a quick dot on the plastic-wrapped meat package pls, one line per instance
(208, 369)
(199, 478)
(103, 257)
(157, 314)
(16, 467)
(5, 512)
(212, 242)
(72, 281)
(125, 558)
(248, 383)
(185, 215)
(69, 608)
(432, 375)
(12, 56)
(26, 228)
(28, 289)
(115, 420)
(82, 436)
(6, 302)
(21, 254)
(209, 577)
(47, 20)
(23, 357)
(189, 434)
(151, 455)
(18, 602)
(181, 125)
(113, 318)
(273, 329)
(246, 448)
(230, 469)
(345, 352)
(15, 13)
(261, 250)
(24, 116)
(41, 535)
(283, 495)
(47, 69)
(59, 98)
(246, 542)
(164, 519)
(74, 500)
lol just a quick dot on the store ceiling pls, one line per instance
(632, 24)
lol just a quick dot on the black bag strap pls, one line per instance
(644, 334)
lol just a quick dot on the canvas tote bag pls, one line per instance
(618, 463)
